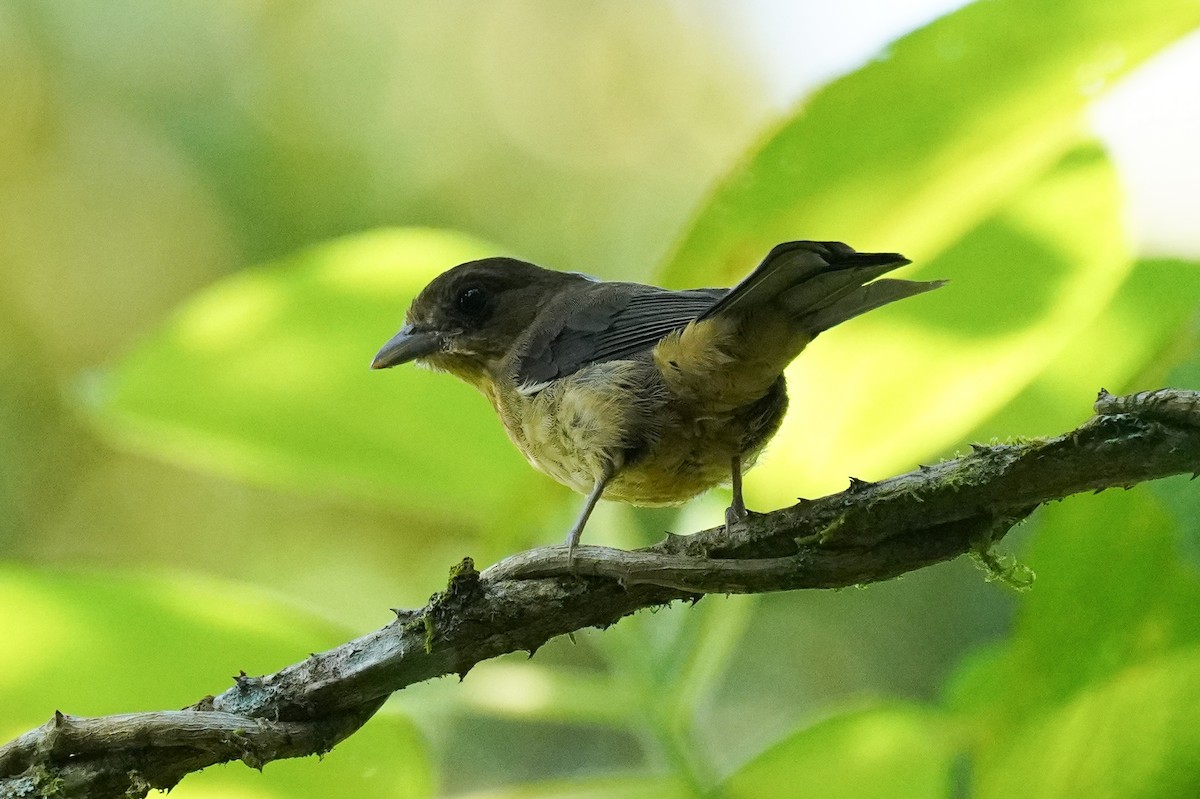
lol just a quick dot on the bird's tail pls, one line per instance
(734, 352)
(818, 284)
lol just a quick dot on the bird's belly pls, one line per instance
(578, 428)
(697, 449)
(666, 449)
(558, 450)
(671, 475)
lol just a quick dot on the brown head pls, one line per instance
(467, 319)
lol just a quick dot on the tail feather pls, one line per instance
(733, 354)
(811, 294)
(865, 298)
(818, 284)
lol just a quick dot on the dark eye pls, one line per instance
(472, 301)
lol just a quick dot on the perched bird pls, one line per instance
(632, 392)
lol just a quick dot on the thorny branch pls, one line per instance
(869, 532)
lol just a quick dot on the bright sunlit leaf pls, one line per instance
(923, 144)
(938, 150)
(1127, 348)
(904, 382)
(264, 376)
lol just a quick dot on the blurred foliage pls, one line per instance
(199, 475)
(882, 752)
(262, 377)
(94, 640)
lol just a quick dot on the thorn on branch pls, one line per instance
(244, 682)
(858, 485)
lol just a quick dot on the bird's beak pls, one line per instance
(408, 345)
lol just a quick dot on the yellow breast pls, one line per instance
(579, 428)
(622, 418)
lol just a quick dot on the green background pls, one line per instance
(212, 214)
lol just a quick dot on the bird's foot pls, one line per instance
(577, 528)
(571, 542)
(735, 514)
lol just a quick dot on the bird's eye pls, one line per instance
(472, 301)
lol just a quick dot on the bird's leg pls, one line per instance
(737, 508)
(577, 529)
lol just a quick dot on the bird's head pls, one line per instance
(467, 319)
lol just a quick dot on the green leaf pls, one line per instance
(264, 376)
(93, 644)
(1128, 347)
(1111, 590)
(924, 143)
(888, 752)
(903, 383)
(1135, 736)
(1111, 593)
(943, 151)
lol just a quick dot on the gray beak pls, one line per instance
(407, 345)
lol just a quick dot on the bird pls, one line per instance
(632, 392)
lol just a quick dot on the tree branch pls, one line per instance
(869, 532)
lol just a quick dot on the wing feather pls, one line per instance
(614, 321)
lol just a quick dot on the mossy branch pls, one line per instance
(869, 532)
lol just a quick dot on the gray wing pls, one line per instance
(616, 321)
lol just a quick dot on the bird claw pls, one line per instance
(735, 515)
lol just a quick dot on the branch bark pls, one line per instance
(867, 533)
